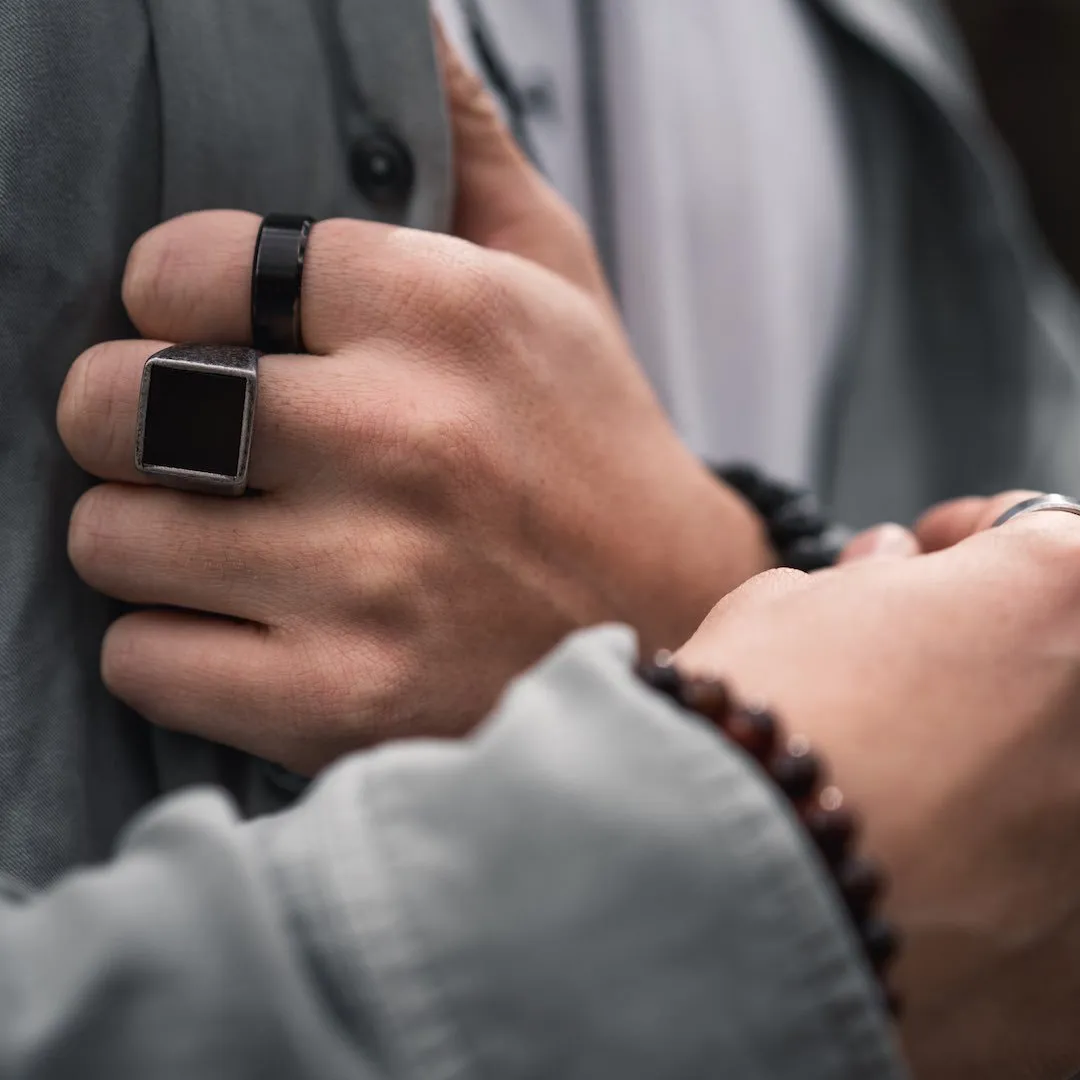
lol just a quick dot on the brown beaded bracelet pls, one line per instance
(798, 773)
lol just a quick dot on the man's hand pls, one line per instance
(944, 692)
(470, 465)
(953, 521)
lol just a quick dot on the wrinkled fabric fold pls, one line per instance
(594, 884)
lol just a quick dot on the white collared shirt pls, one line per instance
(732, 205)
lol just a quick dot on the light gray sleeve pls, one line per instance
(591, 886)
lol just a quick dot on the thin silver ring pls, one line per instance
(1038, 504)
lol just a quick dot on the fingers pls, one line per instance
(200, 676)
(167, 548)
(882, 542)
(953, 521)
(189, 279)
(98, 410)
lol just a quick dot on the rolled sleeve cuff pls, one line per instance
(594, 884)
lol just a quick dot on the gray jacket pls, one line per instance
(591, 887)
(959, 373)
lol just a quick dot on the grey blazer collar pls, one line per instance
(919, 37)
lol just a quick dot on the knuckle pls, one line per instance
(484, 295)
(444, 294)
(343, 255)
(464, 299)
(358, 694)
(1045, 546)
(446, 435)
(434, 453)
(1055, 543)
(331, 419)
(326, 689)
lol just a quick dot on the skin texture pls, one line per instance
(470, 465)
(944, 692)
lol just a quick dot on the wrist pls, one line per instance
(799, 534)
(734, 522)
(710, 541)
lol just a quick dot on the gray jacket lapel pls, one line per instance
(919, 38)
(958, 373)
(264, 113)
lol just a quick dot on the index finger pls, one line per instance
(189, 279)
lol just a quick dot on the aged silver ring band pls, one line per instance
(196, 417)
(1039, 504)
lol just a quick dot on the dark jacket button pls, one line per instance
(382, 169)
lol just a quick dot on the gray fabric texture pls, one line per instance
(959, 371)
(594, 885)
(116, 114)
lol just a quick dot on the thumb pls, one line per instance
(503, 203)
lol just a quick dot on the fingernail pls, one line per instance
(884, 542)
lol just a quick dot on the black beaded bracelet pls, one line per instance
(803, 538)
(798, 773)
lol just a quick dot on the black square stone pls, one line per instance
(194, 420)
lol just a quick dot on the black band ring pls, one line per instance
(277, 275)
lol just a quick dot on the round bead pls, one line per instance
(881, 943)
(796, 775)
(710, 698)
(831, 798)
(861, 884)
(833, 831)
(755, 730)
(760, 491)
(664, 679)
(796, 520)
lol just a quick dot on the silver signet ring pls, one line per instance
(196, 416)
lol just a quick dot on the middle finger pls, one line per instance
(98, 412)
